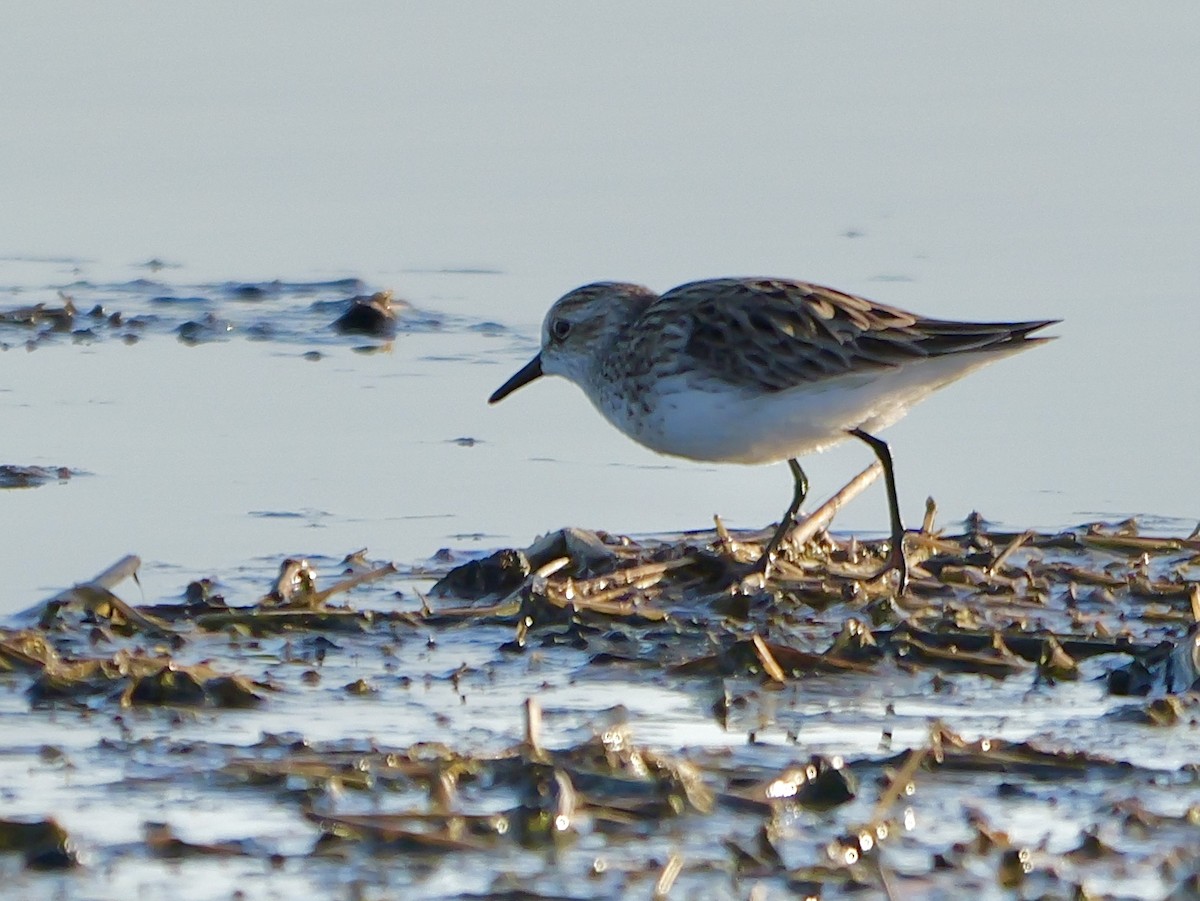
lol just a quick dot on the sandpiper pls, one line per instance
(759, 370)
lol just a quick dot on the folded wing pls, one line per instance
(787, 333)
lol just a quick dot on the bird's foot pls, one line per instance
(740, 576)
(895, 561)
(748, 576)
(762, 566)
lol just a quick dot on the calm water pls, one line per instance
(901, 154)
(1011, 163)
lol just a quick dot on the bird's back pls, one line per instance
(770, 334)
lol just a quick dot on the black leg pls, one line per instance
(789, 517)
(895, 559)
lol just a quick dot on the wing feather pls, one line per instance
(790, 332)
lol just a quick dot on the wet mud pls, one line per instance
(636, 717)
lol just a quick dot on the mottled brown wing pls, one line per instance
(789, 333)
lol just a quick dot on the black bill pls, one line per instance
(528, 372)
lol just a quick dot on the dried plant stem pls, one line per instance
(1008, 551)
(823, 515)
(770, 665)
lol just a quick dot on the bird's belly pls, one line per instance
(743, 429)
(730, 426)
(724, 424)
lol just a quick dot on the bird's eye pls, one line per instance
(560, 328)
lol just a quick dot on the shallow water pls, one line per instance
(935, 176)
(1010, 163)
(268, 431)
(895, 153)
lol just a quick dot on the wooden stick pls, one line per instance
(767, 659)
(724, 541)
(897, 787)
(930, 514)
(823, 515)
(533, 727)
(666, 879)
(107, 580)
(352, 581)
(1013, 545)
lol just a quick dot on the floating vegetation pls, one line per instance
(596, 715)
(58, 318)
(374, 315)
(12, 476)
(322, 312)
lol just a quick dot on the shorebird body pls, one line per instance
(757, 370)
